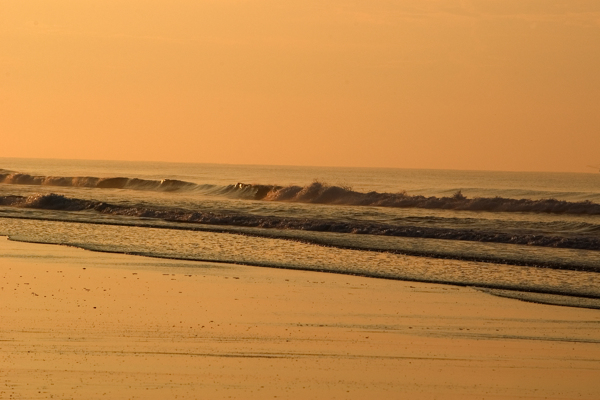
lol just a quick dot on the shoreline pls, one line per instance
(549, 297)
(83, 324)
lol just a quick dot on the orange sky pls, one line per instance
(489, 84)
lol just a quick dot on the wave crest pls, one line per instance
(50, 201)
(166, 185)
(320, 193)
(316, 193)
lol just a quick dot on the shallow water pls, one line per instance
(534, 232)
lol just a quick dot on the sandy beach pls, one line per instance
(299, 200)
(86, 325)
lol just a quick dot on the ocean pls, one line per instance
(526, 235)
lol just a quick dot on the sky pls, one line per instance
(451, 84)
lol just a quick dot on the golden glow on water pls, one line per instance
(268, 252)
(554, 233)
(439, 84)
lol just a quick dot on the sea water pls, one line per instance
(534, 236)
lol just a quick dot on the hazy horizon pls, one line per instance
(446, 84)
(589, 170)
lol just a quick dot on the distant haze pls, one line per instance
(488, 84)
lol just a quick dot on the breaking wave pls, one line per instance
(320, 193)
(167, 185)
(316, 193)
(63, 203)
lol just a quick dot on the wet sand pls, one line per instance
(85, 325)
